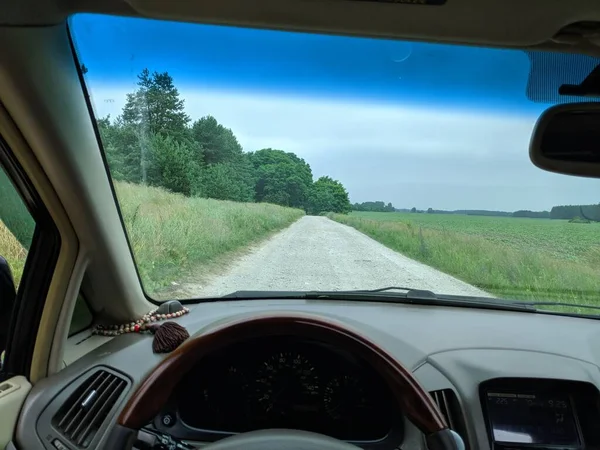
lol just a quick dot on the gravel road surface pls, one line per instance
(316, 253)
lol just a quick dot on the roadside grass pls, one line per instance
(16, 228)
(523, 259)
(12, 250)
(173, 235)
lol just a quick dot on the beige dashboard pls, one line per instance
(448, 349)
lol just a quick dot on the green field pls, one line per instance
(519, 258)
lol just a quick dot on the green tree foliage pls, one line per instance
(156, 106)
(219, 144)
(590, 212)
(532, 214)
(477, 212)
(328, 195)
(229, 181)
(373, 206)
(173, 165)
(123, 148)
(152, 142)
(578, 219)
(228, 174)
(281, 178)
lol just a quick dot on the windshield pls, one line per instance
(248, 159)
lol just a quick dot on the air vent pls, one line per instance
(450, 407)
(82, 415)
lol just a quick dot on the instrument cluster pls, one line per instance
(287, 383)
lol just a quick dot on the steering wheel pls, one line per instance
(152, 394)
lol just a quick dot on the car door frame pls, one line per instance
(37, 276)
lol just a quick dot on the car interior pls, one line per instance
(369, 375)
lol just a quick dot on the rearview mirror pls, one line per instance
(566, 139)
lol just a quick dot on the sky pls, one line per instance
(415, 124)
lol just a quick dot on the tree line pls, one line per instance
(532, 214)
(565, 212)
(464, 212)
(153, 141)
(373, 206)
(589, 212)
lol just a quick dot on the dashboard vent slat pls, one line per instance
(70, 418)
(105, 404)
(448, 403)
(84, 412)
(441, 399)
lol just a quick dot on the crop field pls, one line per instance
(558, 238)
(519, 258)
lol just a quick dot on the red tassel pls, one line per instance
(167, 336)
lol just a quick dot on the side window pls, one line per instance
(16, 233)
(17, 227)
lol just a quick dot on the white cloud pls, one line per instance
(407, 154)
(310, 126)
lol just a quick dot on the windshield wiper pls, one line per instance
(390, 294)
(569, 305)
(386, 295)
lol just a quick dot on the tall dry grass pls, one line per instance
(12, 250)
(174, 236)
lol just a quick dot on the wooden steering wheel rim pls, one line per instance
(148, 399)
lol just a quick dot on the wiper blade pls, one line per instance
(569, 305)
(410, 292)
(386, 289)
(386, 295)
(422, 297)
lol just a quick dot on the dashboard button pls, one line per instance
(168, 420)
(59, 445)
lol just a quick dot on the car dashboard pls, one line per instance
(287, 383)
(503, 380)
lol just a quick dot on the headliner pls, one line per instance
(537, 24)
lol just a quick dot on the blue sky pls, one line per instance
(416, 124)
(300, 63)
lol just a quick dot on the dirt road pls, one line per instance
(316, 253)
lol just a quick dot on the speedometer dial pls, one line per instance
(287, 382)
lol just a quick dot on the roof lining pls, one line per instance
(494, 23)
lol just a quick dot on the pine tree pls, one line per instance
(155, 108)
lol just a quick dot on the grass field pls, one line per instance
(173, 235)
(12, 250)
(16, 217)
(527, 259)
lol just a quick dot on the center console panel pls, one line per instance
(541, 414)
